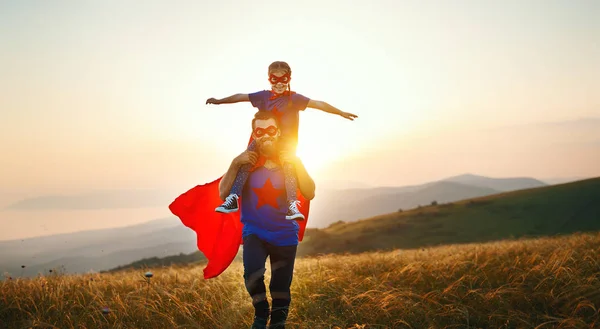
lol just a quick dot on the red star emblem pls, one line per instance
(267, 195)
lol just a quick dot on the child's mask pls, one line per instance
(285, 79)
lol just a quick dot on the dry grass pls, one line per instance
(542, 283)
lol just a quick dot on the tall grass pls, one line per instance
(539, 283)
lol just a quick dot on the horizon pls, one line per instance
(139, 216)
(104, 96)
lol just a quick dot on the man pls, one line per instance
(266, 231)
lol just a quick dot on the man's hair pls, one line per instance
(264, 115)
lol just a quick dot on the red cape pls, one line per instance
(218, 235)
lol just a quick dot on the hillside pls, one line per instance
(558, 209)
(355, 204)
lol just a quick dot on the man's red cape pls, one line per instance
(218, 235)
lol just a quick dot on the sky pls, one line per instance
(111, 94)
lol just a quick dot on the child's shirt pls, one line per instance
(288, 114)
(264, 207)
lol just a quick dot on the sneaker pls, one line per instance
(293, 212)
(278, 317)
(231, 204)
(259, 323)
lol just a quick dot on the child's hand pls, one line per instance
(247, 157)
(349, 116)
(212, 101)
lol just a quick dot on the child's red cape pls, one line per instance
(218, 235)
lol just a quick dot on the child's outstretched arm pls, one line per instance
(323, 106)
(228, 100)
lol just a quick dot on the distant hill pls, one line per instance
(97, 249)
(85, 264)
(156, 262)
(182, 259)
(500, 184)
(562, 180)
(543, 211)
(349, 205)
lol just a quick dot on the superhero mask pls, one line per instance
(270, 130)
(285, 79)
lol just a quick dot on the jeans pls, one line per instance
(255, 253)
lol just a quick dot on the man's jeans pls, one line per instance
(255, 252)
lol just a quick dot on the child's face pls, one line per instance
(279, 79)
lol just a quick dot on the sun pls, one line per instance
(318, 147)
(312, 158)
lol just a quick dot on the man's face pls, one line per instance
(279, 80)
(266, 134)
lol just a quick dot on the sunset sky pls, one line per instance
(111, 94)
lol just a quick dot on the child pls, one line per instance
(286, 105)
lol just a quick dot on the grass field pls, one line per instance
(538, 283)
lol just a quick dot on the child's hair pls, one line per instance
(264, 115)
(279, 65)
(282, 66)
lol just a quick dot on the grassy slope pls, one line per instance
(552, 210)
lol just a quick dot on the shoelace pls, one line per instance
(294, 205)
(229, 200)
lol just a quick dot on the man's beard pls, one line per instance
(267, 149)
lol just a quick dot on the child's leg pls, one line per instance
(242, 174)
(231, 204)
(291, 185)
(240, 180)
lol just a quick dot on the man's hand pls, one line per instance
(246, 157)
(349, 116)
(213, 101)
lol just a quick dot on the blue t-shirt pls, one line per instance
(264, 207)
(286, 111)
